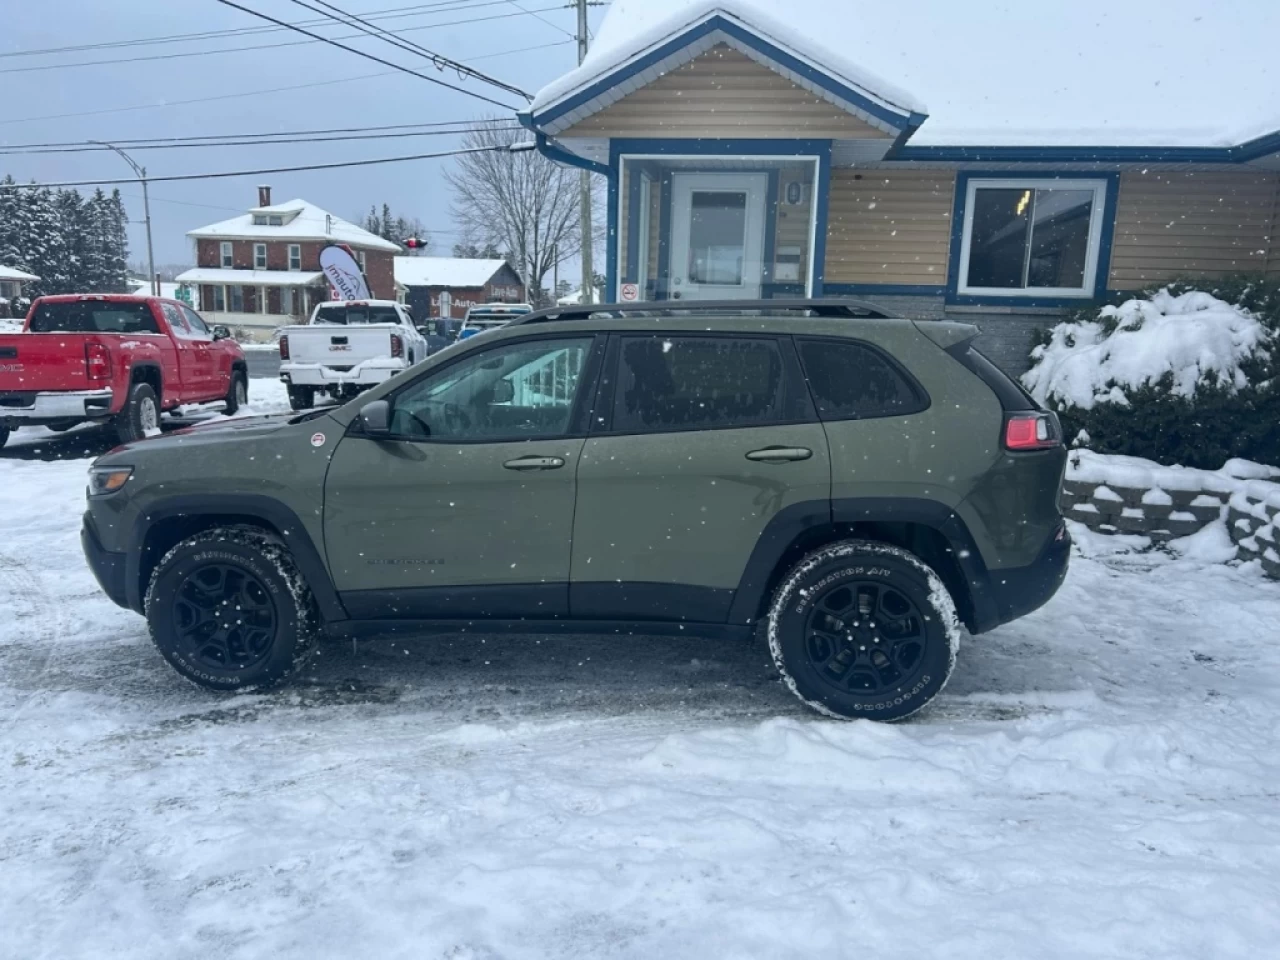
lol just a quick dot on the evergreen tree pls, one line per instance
(44, 243)
(71, 216)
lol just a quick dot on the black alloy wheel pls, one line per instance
(866, 637)
(224, 617)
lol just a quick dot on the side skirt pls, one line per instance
(366, 629)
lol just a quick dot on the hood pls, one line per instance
(229, 430)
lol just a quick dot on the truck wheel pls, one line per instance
(229, 611)
(863, 629)
(140, 416)
(4, 435)
(237, 393)
(302, 398)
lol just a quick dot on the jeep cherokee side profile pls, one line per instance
(861, 484)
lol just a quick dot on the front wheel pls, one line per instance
(237, 393)
(302, 398)
(229, 610)
(141, 414)
(863, 629)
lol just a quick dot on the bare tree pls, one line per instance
(521, 202)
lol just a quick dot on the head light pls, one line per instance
(104, 480)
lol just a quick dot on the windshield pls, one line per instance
(345, 314)
(94, 316)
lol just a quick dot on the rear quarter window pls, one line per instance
(854, 381)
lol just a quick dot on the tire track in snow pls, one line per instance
(46, 621)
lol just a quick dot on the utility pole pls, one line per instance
(584, 182)
(141, 173)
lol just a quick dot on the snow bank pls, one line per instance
(10, 326)
(1196, 337)
(1255, 480)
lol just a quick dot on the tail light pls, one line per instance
(284, 348)
(397, 345)
(97, 361)
(1031, 431)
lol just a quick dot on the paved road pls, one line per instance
(263, 363)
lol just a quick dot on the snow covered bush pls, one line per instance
(1179, 375)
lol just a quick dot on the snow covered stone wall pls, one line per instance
(1128, 495)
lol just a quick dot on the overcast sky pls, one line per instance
(132, 97)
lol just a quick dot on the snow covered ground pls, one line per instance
(1101, 779)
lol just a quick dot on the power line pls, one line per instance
(260, 46)
(535, 15)
(256, 141)
(258, 93)
(437, 60)
(367, 56)
(392, 13)
(249, 173)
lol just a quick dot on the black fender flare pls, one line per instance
(791, 522)
(235, 505)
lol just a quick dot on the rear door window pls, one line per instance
(853, 381)
(671, 383)
(94, 316)
(347, 315)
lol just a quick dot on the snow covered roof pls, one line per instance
(251, 278)
(1090, 73)
(575, 298)
(13, 273)
(308, 222)
(445, 271)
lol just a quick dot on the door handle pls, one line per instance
(535, 463)
(780, 454)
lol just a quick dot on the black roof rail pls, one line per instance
(847, 309)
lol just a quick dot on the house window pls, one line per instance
(259, 220)
(219, 299)
(360, 259)
(286, 301)
(1031, 237)
(295, 256)
(235, 298)
(259, 256)
(275, 220)
(228, 259)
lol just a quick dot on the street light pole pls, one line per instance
(141, 173)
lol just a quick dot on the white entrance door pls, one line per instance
(717, 235)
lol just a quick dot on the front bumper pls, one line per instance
(367, 374)
(55, 405)
(108, 567)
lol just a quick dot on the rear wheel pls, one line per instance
(4, 435)
(302, 398)
(228, 609)
(237, 393)
(140, 416)
(864, 629)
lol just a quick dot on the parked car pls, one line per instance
(860, 483)
(490, 316)
(117, 359)
(379, 340)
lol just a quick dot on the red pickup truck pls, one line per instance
(117, 359)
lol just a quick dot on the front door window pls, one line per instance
(717, 236)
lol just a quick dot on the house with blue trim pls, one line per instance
(970, 161)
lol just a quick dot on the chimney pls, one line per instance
(264, 195)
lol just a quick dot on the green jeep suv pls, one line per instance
(861, 485)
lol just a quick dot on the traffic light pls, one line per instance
(413, 243)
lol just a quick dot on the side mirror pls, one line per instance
(221, 332)
(375, 419)
(504, 391)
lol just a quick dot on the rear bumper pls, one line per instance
(369, 373)
(108, 568)
(54, 405)
(1013, 592)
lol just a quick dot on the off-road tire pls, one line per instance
(302, 398)
(237, 393)
(883, 573)
(259, 557)
(141, 412)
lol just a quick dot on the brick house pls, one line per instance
(421, 281)
(261, 270)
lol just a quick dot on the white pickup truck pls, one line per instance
(348, 346)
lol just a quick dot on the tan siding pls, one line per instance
(723, 93)
(1176, 224)
(655, 225)
(889, 226)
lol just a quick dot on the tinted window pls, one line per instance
(514, 391)
(94, 316)
(850, 381)
(357, 313)
(684, 383)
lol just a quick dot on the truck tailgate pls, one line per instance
(338, 345)
(43, 361)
